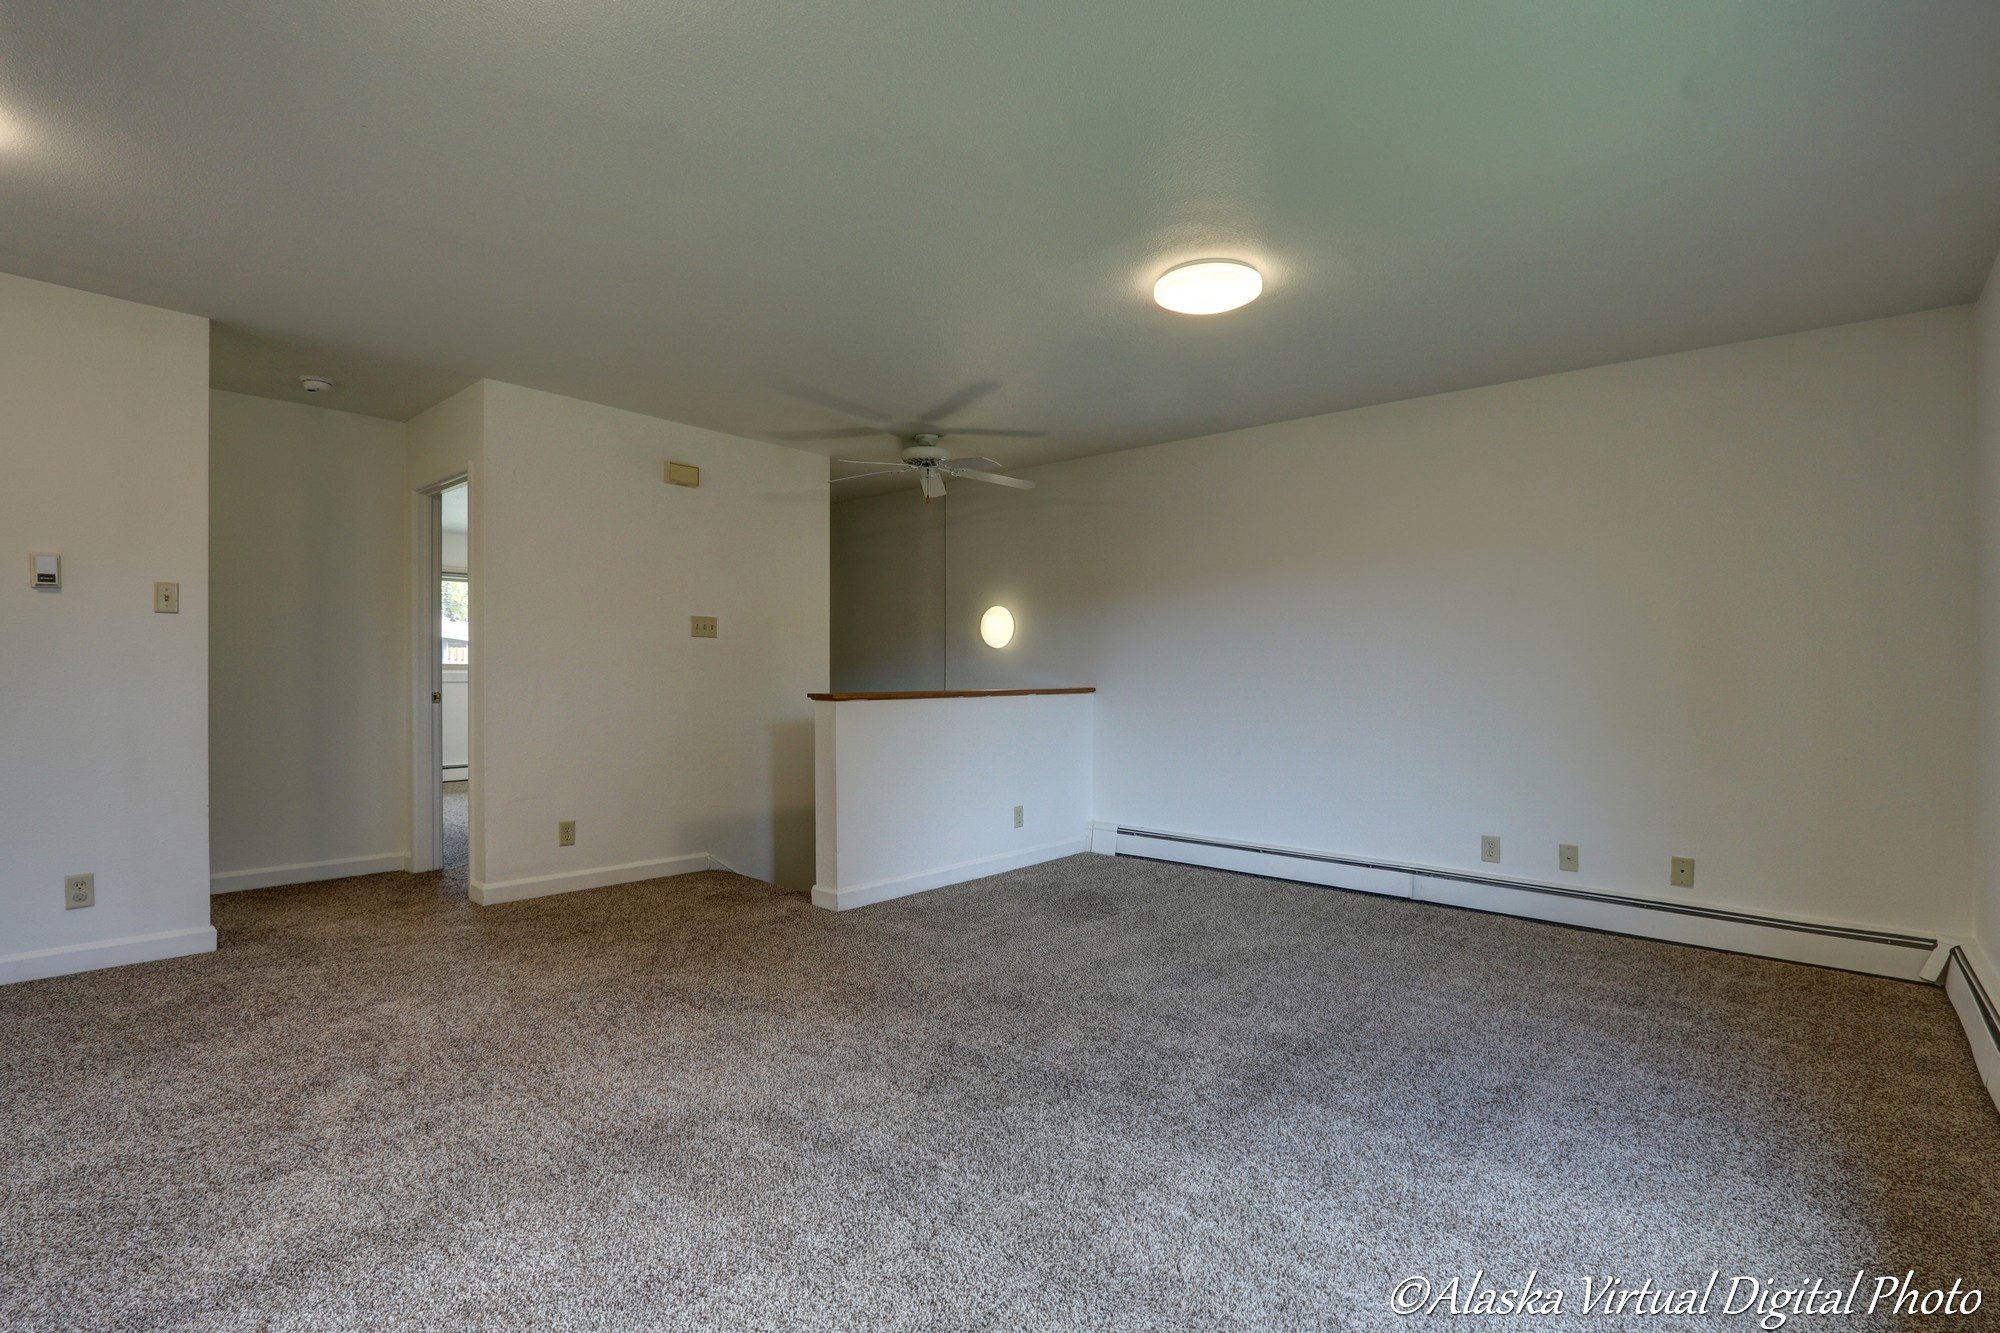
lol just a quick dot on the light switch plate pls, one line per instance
(702, 627)
(167, 599)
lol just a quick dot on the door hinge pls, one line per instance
(437, 696)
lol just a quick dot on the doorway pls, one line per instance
(441, 747)
(455, 676)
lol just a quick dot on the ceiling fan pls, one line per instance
(922, 453)
(925, 457)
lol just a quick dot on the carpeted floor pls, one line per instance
(1095, 1094)
(457, 822)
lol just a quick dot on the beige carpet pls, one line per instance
(1097, 1094)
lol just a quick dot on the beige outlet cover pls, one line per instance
(683, 474)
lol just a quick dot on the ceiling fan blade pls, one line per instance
(1016, 482)
(999, 434)
(959, 401)
(879, 472)
(888, 464)
(977, 464)
(867, 416)
(830, 433)
(932, 483)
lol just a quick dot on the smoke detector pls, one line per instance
(315, 383)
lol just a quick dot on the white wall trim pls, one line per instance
(306, 872)
(1973, 985)
(1103, 838)
(599, 877)
(1854, 947)
(861, 895)
(68, 958)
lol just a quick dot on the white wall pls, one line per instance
(444, 441)
(103, 703)
(308, 687)
(590, 700)
(1988, 314)
(1718, 604)
(914, 794)
(888, 592)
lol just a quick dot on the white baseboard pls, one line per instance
(1973, 984)
(455, 772)
(1856, 948)
(89, 957)
(575, 881)
(861, 895)
(306, 872)
(1103, 838)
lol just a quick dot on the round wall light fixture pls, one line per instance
(997, 627)
(1208, 287)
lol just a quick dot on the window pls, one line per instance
(455, 620)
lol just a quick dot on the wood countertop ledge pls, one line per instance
(949, 694)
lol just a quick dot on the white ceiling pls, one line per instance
(725, 213)
(269, 366)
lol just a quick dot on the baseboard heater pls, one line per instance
(1989, 1012)
(1852, 947)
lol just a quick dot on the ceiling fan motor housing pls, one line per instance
(923, 450)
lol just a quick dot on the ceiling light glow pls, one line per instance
(1208, 287)
(997, 627)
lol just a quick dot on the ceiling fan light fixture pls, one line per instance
(1208, 287)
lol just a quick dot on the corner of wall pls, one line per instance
(1987, 427)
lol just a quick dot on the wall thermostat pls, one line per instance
(45, 571)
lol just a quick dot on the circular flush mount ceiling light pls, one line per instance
(1208, 287)
(997, 627)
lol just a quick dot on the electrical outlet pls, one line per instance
(79, 891)
(1489, 849)
(701, 627)
(1566, 856)
(1020, 815)
(1683, 874)
(167, 598)
(566, 833)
